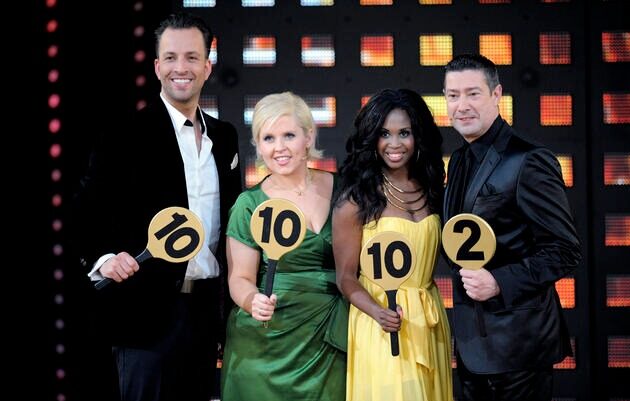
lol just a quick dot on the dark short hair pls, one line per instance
(184, 20)
(475, 62)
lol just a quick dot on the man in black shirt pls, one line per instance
(517, 187)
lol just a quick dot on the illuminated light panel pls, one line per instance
(435, 49)
(256, 170)
(313, 3)
(497, 47)
(566, 165)
(259, 51)
(554, 48)
(618, 352)
(318, 51)
(434, 2)
(566, 290)
(506, 108)
(495, 1)
(556, 110)
(453, 358)
(199, 3)
(445, 286)
(616, 168)
(616, 47)
(377, 51)
(437, 105)
(258, 3)
(364, 99)
(569, 361)
(618, 291)
(210, 105)
(616, 108)
(617, 230)
(446, 159)
(248, 110)
(376, 2)
(323, 108)
(213, 51)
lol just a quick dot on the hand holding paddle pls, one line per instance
(175, 234)
(271, 232)
(391, 250)
(459, 245)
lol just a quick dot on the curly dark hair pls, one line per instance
(360, 172)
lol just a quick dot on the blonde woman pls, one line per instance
(301, 354)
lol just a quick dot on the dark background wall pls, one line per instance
(99, 69)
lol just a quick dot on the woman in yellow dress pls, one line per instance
(393, 180)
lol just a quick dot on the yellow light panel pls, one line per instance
(566, 164)
(555, 48)
(569, 361)
(616, 108)
(556, 110)
(617, 230)
(435, 49)
(497, 47)
(377, 51)
(616, 47)
(437, 105)
(619, 352)
(618, 291)
(566, 291)
(617, 169)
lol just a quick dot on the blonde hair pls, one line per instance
(271, 107)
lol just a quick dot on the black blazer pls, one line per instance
(518, 189)
(136, 171)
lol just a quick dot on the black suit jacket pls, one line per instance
(136, 171)
(518, 189)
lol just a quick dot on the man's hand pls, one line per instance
(480, 285)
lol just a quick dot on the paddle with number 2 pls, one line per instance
(278, 226)
(391, 250)
(175, 235)
(470, 243)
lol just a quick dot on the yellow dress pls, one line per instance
(422, 371)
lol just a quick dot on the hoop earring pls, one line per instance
(375, 155)
(418, 155)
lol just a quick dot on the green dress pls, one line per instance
(301, 355)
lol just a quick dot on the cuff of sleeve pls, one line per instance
(94, 274)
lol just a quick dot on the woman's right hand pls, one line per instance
(389, 320)
(263, 306)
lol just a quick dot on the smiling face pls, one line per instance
(282, 144)
(472, 106)
(396, 143)
(182, 66)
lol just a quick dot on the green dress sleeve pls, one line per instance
(239, 218)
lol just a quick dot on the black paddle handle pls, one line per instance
(106, 281)
(391, 303)
(271, 272)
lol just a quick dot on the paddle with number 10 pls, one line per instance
(175, 235)
(391, 250)
(278, 226)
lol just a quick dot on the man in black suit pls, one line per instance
(507, 349)
(164, 319)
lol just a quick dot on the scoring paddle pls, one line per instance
(470, 243)
(387, 260)
(175, 234)
(278, 226)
